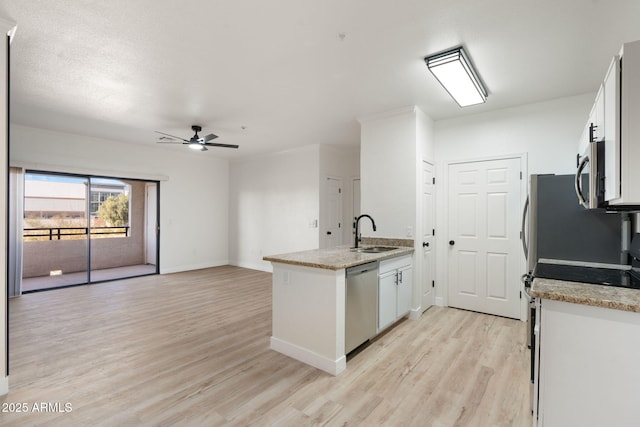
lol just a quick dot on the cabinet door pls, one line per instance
(387, 299)
(598, 116)
(405, 282)
(583, 144)
(612, 131)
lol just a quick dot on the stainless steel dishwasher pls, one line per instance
(361, 304)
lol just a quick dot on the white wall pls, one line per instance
(393, 146)
(193, 200)
(274, 199)
(547, 132)
(388, 173)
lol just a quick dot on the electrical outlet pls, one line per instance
(409, 231)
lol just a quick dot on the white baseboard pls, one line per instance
(4, 386)
(333, 367)
(267, 268)
(415, 313)
(182, 268)
(440, 301)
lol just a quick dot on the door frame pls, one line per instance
(89, 177)
(419, 277)
(443, 297)
(153, 240)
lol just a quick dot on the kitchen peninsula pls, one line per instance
(309, 296)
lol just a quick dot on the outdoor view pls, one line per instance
(55, 208)
(84, 229)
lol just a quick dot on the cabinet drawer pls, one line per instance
(394, 263)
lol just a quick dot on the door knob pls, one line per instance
(425, 244)
(452, 242)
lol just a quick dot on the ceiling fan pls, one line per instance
(196, 142)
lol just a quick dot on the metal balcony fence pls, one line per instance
(70, 233)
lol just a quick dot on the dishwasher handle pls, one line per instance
(362, 268)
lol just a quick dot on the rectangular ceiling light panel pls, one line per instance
(455, 73)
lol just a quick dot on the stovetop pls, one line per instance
(584, 274)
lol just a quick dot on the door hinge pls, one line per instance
(433, 283)
(520, 175)
(520, 294)
(433, 180)
(339, 190)
(433, 231)
(339, 225)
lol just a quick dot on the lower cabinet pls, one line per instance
(395, 281)
(587, 373)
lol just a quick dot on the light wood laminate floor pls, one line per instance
(193, 349)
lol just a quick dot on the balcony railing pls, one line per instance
(68, 233)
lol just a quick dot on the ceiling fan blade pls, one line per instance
(172, 136)
(169, 142)
(215, 144)
(208, 138)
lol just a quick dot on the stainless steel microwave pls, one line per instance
(589, 181)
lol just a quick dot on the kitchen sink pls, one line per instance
(373, 249)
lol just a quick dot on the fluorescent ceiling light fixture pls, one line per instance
(455, 73)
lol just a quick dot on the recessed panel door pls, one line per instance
(332, 225)
(483, 234)
(428, 236)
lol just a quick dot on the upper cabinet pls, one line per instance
(625, 112)
(611, 131)
(614, 121)
(593, 130)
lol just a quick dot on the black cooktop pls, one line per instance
(595, 275)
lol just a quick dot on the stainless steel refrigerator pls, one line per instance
(558, 227)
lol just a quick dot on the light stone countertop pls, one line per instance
(336, 258)
(617, 298)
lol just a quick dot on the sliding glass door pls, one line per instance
(118, 210)
(86, 229)
(56, 238)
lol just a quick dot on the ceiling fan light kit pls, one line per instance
(196, 142)
(196, 146)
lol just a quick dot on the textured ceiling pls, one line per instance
(293, 72)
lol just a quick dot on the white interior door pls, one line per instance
(483, 258)
(428, 236)
(332, 227)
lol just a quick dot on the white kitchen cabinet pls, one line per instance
(594, 128)
(612, 131)
(395, 284)
(387, 291)
(624, 190)
(587, 368)
(405, 283)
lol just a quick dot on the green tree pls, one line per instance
(115, 210)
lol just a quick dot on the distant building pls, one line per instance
(45, 199)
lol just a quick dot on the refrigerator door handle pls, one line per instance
(583, 163)
(525, 244)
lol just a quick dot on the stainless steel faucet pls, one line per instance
(356, 225)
